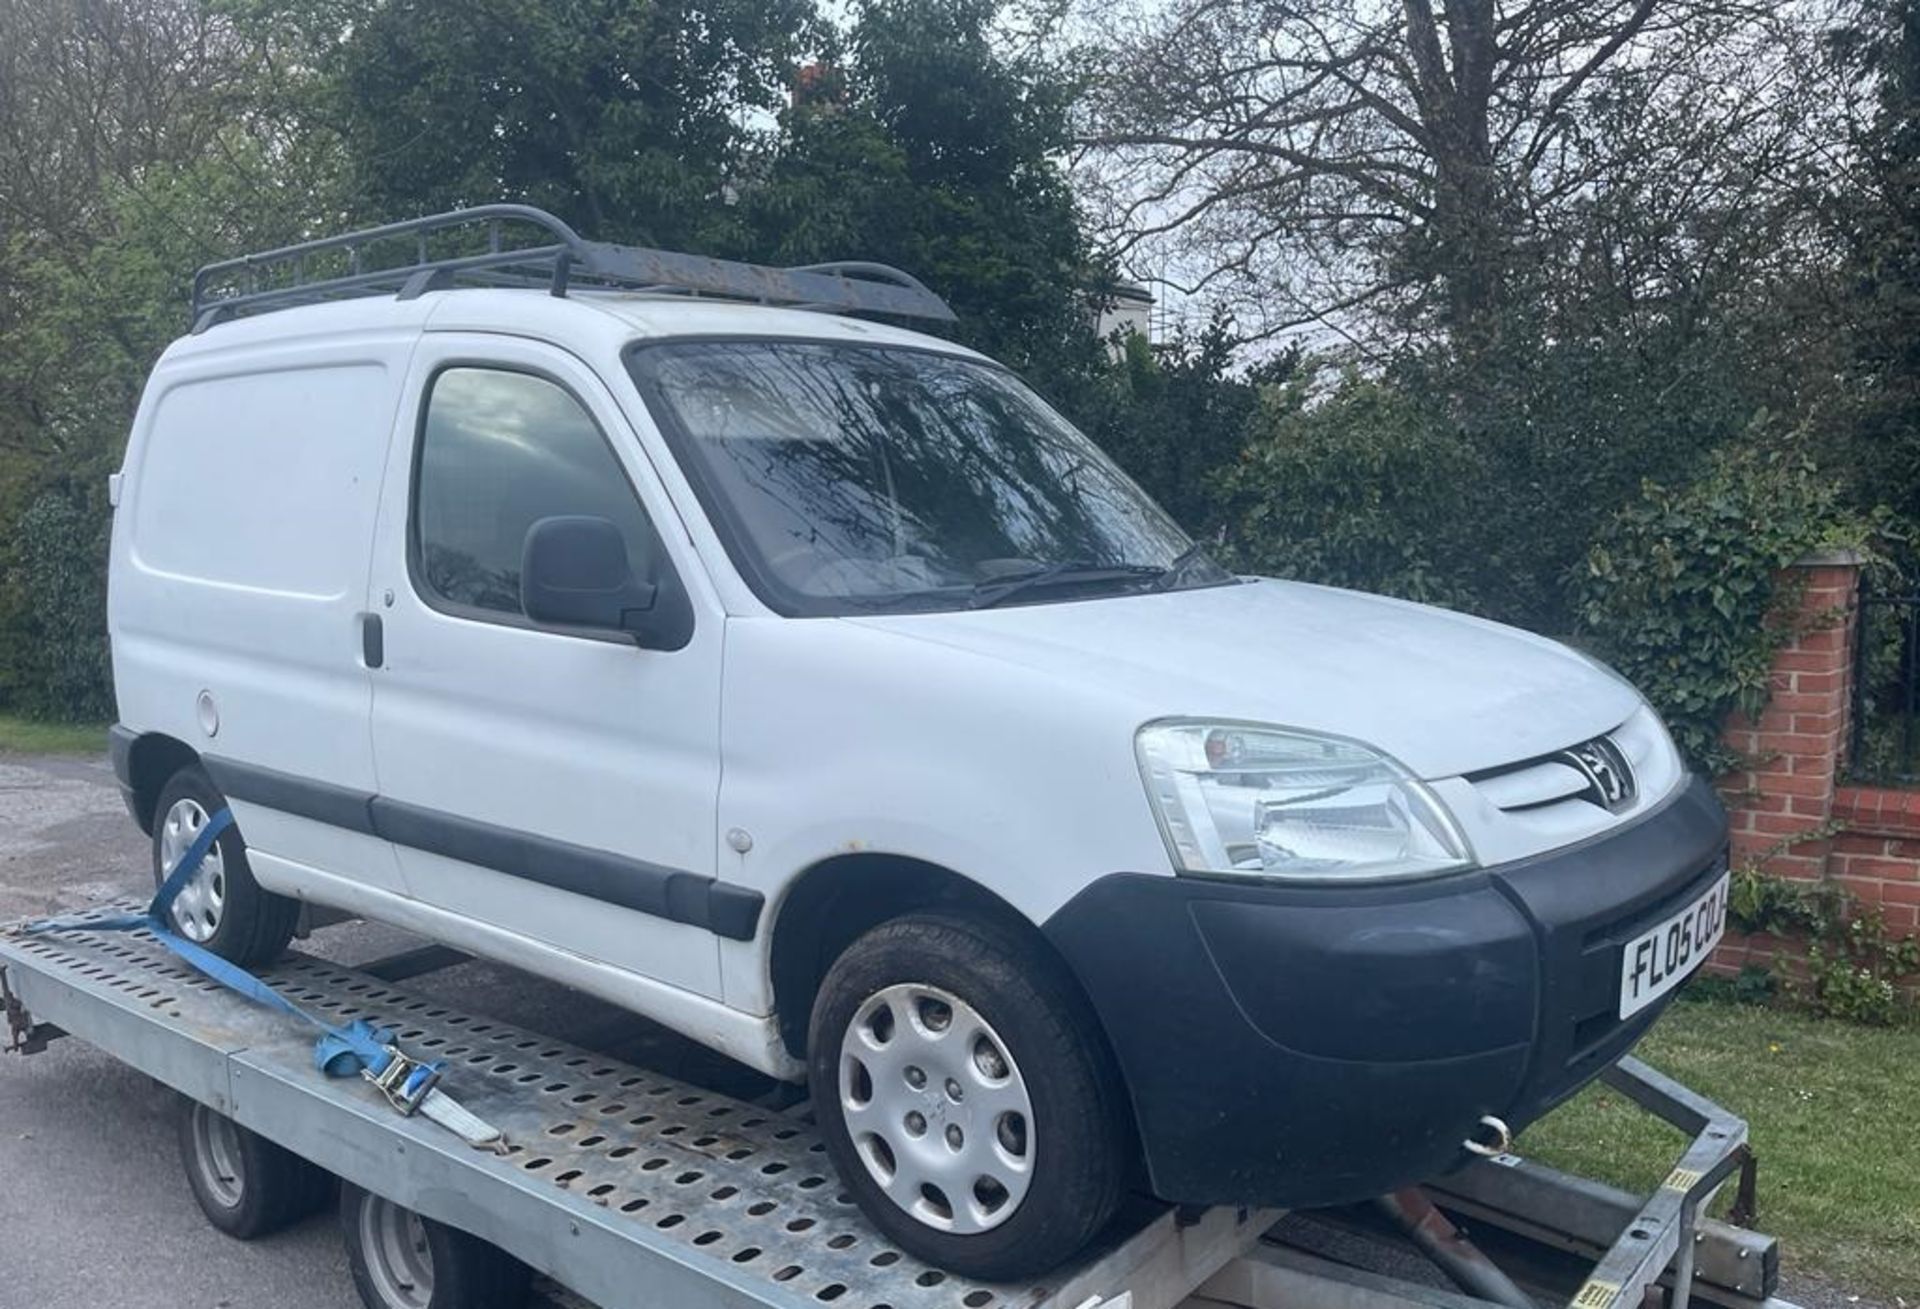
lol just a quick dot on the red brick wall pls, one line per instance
(1790, 811)
(1877, 857)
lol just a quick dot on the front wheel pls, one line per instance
(966, 1096)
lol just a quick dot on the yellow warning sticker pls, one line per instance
(1681, 1179)
(1596, 1295)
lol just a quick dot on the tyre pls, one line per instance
(245, 1184)
(403, 1261)
(967, 1096)
(221, 907)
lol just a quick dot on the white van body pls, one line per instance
(263, 521)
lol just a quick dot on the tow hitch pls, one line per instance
(24, 1036)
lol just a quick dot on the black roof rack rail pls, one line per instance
(348, 265)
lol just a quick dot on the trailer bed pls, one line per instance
(631, 1188)
(636, 1190)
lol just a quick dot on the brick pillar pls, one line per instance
(1800, 741)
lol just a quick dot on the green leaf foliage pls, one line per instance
(53, 647)
(1683, 590)
(91, 320)
(917, 136)
(628, 120)
(931, 146)
(1365, 488)
(1854, 965)
(1176, 417)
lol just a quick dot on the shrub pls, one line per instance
(1854, 964)
(56, 661)
(1682, 592)
(1752, 985)
(1364, 488)
(1173, 418)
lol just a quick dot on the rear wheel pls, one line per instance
(221, 907)
(403, 1261)
(245, 1184)
(966, 1096)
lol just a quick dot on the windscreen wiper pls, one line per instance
(1176, 570)
(988, 594)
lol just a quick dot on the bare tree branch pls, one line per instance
(1446, 150)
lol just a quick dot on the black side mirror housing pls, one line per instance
(574, 573)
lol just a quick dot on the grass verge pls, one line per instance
(1835, 1115)
(31, 736)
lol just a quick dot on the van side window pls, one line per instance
(499, 451)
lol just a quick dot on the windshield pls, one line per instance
(851, 478)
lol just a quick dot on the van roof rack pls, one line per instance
(365, 263)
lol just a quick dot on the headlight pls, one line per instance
(1267, 801)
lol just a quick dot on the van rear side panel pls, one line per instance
(238, 584)
(257, 482)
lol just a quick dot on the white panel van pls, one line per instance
(676, 630)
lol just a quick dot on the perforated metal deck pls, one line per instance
(632, 1188)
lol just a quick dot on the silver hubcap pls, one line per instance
(197, 910)
(394, 1242)
(937, 1108)
(216, 1154)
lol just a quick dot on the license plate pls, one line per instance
(1662, 957)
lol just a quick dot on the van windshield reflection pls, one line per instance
(854, 479)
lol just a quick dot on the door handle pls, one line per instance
(373, 641)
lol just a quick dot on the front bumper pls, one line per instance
(1298, 1046)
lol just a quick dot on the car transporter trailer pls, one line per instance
(638, 1191)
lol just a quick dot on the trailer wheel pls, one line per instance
(245, 1184)
(403, 1261)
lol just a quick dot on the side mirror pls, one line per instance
(574, 573)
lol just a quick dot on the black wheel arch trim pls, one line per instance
(120, 739)
(674, 894)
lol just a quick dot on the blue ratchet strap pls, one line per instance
(359, 1047)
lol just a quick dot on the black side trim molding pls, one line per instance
(323, 802)
(671, 893)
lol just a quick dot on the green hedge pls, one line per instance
(1364, 487)
(1683, 593)
(53, 610)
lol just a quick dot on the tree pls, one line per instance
(1877, 211)
(133, 147)
(1576, 243)
(1178, 417)
(92, 93)
(930, 142)
(1381, 167)
(629, 120)
(917, 136)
